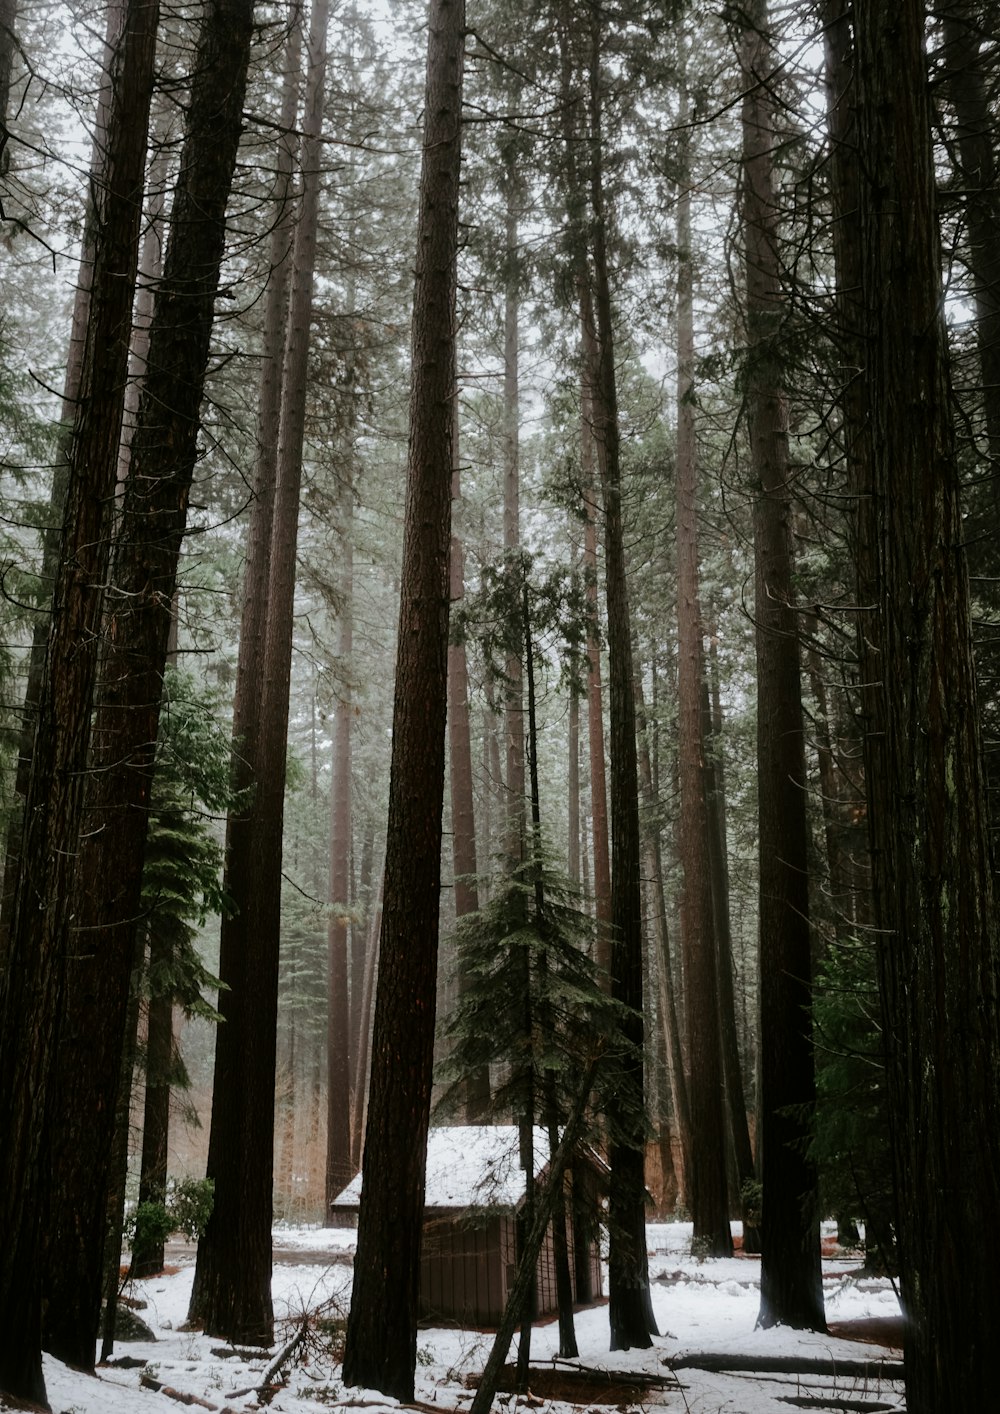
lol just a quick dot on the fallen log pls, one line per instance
(719, 1363)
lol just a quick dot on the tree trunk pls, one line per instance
(513, 693)
(234, 944)
(666, 998)
(705, 1177)
(791, 1279)
(575, 201)
(232, 1288)
(940, 958)
(138, 621)
(118, 1172)
(718, 869)
(52, 534)
(382, 1326)
(573, 773)
(35, 980)
(8, 46)
(630, 1309)
(339, 1168)
(148, 1260)
(463, 814)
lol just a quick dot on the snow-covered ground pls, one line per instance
(700, 1307)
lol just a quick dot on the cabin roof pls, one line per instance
(472, 1166)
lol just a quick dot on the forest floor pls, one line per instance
(708, 1359)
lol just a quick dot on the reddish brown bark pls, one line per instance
(463, 814)
(705, 1178)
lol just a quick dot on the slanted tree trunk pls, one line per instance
(531, 1246)
(630, 1308)
(232, 1288)
(791, 1279)
(36, 980)
(382, 1326)
(939, 959)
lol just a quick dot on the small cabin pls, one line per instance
(474, 1199)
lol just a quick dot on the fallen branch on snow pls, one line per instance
(147, 1382)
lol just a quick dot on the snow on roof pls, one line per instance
(470, 1166)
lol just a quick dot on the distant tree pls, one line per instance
(463, 815)
(706, 1177)
(382, 1326)
(630, 1309)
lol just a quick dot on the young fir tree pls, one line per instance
(180, 888)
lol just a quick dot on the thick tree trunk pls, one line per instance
(791, 1279)
(234, 944)
(382, 1327)
(138, 622)
(36, 982)
(52, 534)
(232, 1289)
(940, 959)
(630, 1310)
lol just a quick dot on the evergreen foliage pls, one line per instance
(181, 883)
(532, 1005)
(851, 1139)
